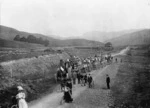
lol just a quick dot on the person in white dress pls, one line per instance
(21, 98)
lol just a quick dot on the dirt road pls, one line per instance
(53, 100)
(97, 97)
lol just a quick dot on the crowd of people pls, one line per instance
(77, 71)
(70, 72)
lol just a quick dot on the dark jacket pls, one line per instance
(90, 79)
(69, 85)
(108, 80)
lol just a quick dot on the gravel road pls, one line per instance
(84, 97)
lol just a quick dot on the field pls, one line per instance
(8, 54)
(131, 87)
(83, 52)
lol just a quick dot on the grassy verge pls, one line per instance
(36, 75)
(131, 88)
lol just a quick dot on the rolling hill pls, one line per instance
(8, 33)
(103, 36)
(141, 37)
(14, 44)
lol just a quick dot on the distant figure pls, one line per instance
(85, 79)
(116, 60)
(81, 79)
(69, 72)
(90, 79)
(74, 76)
(108, 81)
(78, 77)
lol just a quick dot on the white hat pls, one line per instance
(19, 88)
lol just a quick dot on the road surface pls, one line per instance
(98, 97)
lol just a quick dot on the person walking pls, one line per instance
(78, 77)
(21, 98)
(67, 95)
(90, 79)
(81, 79)
(85, 79)
(108, 81)
(74, 77)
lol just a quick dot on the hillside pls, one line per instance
(9, 34)
(103, 36)
(82, 42)
(14, 44)
(136, 38)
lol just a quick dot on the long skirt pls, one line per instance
(67, 97)
(22, 103)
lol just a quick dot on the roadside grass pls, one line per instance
(36, 75)
(131, 87)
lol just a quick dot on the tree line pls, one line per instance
(32, 39)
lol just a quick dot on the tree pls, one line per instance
(23, 39)
(31, 39)
(17, 38)
(39, 40)
(46, 42)
(108, 44)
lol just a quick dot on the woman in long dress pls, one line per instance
(21, 98)
(67, 95)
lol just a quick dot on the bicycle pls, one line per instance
(14, 106)
(8, 106)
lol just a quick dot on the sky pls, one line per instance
(68, 18)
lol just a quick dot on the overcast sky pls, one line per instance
(74, 17)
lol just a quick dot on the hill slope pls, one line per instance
(103, 36)
(9, 34)
(14, 44)
(136, 38)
